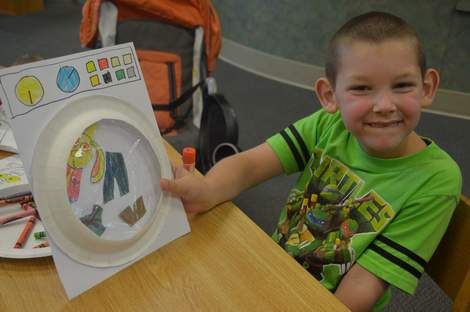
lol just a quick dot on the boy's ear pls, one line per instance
(325, 94)
(430, 85)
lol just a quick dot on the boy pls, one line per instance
(374, 198)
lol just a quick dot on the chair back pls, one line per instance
(449, 267)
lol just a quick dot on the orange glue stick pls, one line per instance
(26, 231)
(189, 158)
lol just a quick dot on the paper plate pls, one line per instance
(10, 232)
(96, 172)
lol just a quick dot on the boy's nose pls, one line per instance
(384, 104)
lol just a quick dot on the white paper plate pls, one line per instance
(10, 232)
(49, 180)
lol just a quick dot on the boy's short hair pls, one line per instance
(372, 27)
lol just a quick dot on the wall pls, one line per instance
(299, 30)
(286, 42)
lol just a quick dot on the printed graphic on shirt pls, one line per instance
(318, 223)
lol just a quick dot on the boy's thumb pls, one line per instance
(170, 186)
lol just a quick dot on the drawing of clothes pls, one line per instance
(115, 169)
(132, 215)
(73, 183)
(93, 220)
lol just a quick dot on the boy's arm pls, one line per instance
(228, 178)
(359, 289)
(233, 175)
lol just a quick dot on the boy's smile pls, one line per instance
(380, 92)
(384, 124)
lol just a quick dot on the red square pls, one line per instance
(103, 63)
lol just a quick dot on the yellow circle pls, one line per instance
(29, 90)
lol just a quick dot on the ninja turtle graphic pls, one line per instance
(318, 225)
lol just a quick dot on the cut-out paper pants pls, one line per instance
(115, 169)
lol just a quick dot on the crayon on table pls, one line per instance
(25, 233)
(40, 235)
(28, 205)
(42, 245)
(17, 215)
(14, 200)
(28, 200)
(189, 158)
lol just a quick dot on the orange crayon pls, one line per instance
(25, 233)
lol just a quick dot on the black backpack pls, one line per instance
(218, 134)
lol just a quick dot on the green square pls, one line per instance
(120, 74)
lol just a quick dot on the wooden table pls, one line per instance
(226, 263)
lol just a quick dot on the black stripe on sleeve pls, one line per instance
(301, 142)
(400, 248)
(405, 266)
(292, 147)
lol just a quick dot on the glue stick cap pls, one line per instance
(189, 155)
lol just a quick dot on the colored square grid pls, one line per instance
(115, 61)
(120, 74)
(94, 80)
(131, 72)
(107, 77)
(103, 63)
(90, 66)
(127, 58)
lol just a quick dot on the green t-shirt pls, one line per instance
(388, 215)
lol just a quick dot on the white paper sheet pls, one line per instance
(88, 277)
(32, 94)
(12, 177)
(7, 141)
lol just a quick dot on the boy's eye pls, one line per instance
(404, 86)
(360, 89)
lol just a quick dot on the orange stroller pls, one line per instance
(177, 44)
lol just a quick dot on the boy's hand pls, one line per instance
(225, 180)
(193, 190)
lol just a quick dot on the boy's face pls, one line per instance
(380, 92)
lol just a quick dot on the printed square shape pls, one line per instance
(131, 72)
(103, 63)
(90, 66)
(127, 59)
(94, 80)
(107, 77)
(120, 74)
(115, 61)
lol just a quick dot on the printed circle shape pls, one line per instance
(68, 79)
(51, 153)
(29, 90)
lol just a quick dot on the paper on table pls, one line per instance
(87, 277)
(7, 140)
(12, 177)
(33, 94)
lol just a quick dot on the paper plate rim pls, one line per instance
(51, 153)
